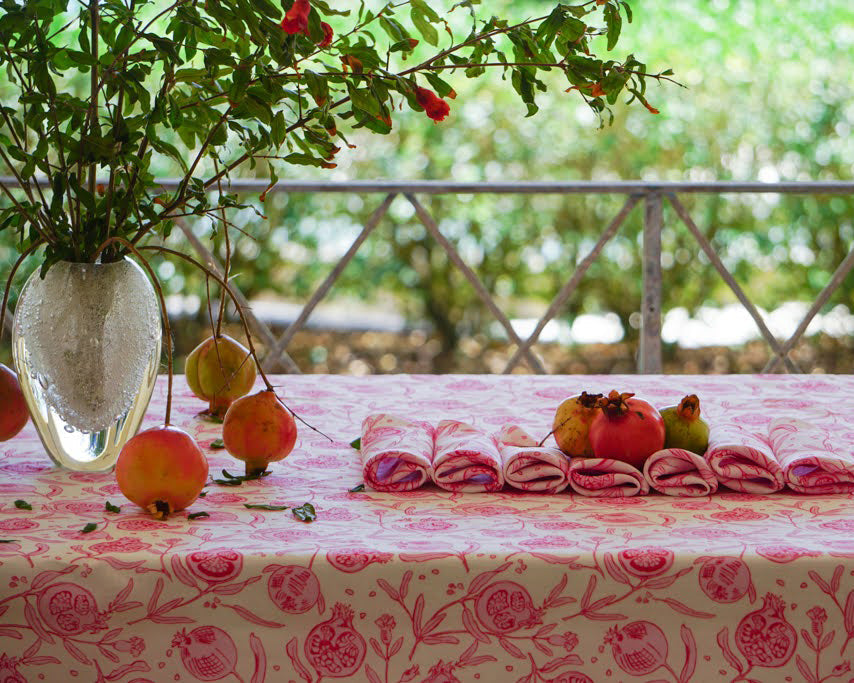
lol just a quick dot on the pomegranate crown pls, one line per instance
(774, 603)
(689, 408)
(181, 639)
(615, 404)
(589, 400)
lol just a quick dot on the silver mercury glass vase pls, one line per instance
(86, 346)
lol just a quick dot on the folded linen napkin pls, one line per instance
(530, 467)
(743, 461)
(465, 459)
(606, 478)
(397, 453)
(677, 472)
(812, 461)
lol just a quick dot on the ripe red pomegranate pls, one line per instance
(764, 637)
(724, 579)
(13, 407)
(293, 589)
(215, 566)
(219, 370)
(69, 610)
(258, 430)
(626, 428)
(208, 652)
(162, 470)
(639, 648)
(504, 607)
(646, 561)
(334, 648)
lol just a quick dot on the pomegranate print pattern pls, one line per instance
(208, 652)
(764, 637)
(606, 580)
(334, 648)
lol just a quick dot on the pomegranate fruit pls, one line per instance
(293, 589)
(627, 429)
(208, 652)
(162, 470)
(258, 430)
(69, 610)
(647, 561)
(220, 370)
(334, 648)
(724, 579)
(683, 426)
(572, 424)
(504, 607)
(764, 637)
(215, 566)
(13, 407)
(639, 648)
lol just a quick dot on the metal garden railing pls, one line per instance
(651, 194)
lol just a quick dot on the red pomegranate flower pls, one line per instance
(435, 107)
(327, 35)
(296, 18)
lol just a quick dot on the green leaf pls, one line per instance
(23, 505)
(203, 494)
(305, 512)
(197, 515)
(89, 528)
(250, 506)
(358, 488)
(356, 443)
(112, 508)
(614, 24)
(422, 23)
(7, 540)
(217, 444)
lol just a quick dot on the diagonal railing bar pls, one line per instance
(710, 252)
(836, 280)
(432, 227)
(257, 326)
(325, 286)
(572, 284)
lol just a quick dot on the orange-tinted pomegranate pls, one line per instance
(162, 470)
(258, 430)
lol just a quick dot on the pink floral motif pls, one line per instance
(125, 544)
(17, 524)
(353, 560)
(739, 514)
(646, 561)
(431, 524)
(785, 553)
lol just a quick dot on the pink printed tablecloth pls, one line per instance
(431, 585)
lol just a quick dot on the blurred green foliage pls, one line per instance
(768, 97)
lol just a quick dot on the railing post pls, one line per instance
(649, 359)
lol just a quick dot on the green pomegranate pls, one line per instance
(683, 426)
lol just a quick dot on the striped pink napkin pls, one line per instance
(396, 452)
(812, 461)
(677, 472)
(466, 459)
(743, 461)
(606, 478)
(530, 467)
